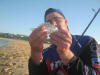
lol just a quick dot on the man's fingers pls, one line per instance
(65, 32)
(53, 41)
(59, 40)
(42, 37)
(62, 35)
(38, 30)
(37, 37)
(38, 33)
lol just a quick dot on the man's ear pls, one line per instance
(66, 24)
(66, 21)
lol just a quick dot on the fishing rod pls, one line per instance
(85, 29)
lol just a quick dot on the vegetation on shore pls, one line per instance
(17, 37)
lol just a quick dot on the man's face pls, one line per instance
(56, 19)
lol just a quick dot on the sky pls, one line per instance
(19, 16)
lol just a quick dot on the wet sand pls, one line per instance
(14, 58)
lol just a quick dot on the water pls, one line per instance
(4, 42)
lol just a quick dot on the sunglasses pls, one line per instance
(56, 19)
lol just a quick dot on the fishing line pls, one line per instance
(85, 29)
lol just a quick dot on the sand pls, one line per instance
(14, 58)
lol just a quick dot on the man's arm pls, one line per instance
(37, 69)
(36, 40)
(85, 63)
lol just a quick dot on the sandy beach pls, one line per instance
(14, 58)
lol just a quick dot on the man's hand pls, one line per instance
(36, 40)
(63, 40)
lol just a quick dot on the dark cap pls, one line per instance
(51, 10)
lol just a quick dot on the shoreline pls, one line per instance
(4, 42)
(14, 57)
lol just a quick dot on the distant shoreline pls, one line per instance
(4, 42)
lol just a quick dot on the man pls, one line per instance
(60, 58)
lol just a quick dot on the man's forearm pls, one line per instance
(66, 57)
(36, 57)
(37, 69)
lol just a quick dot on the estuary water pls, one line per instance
(4, 42)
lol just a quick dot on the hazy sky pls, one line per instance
(19, 16)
